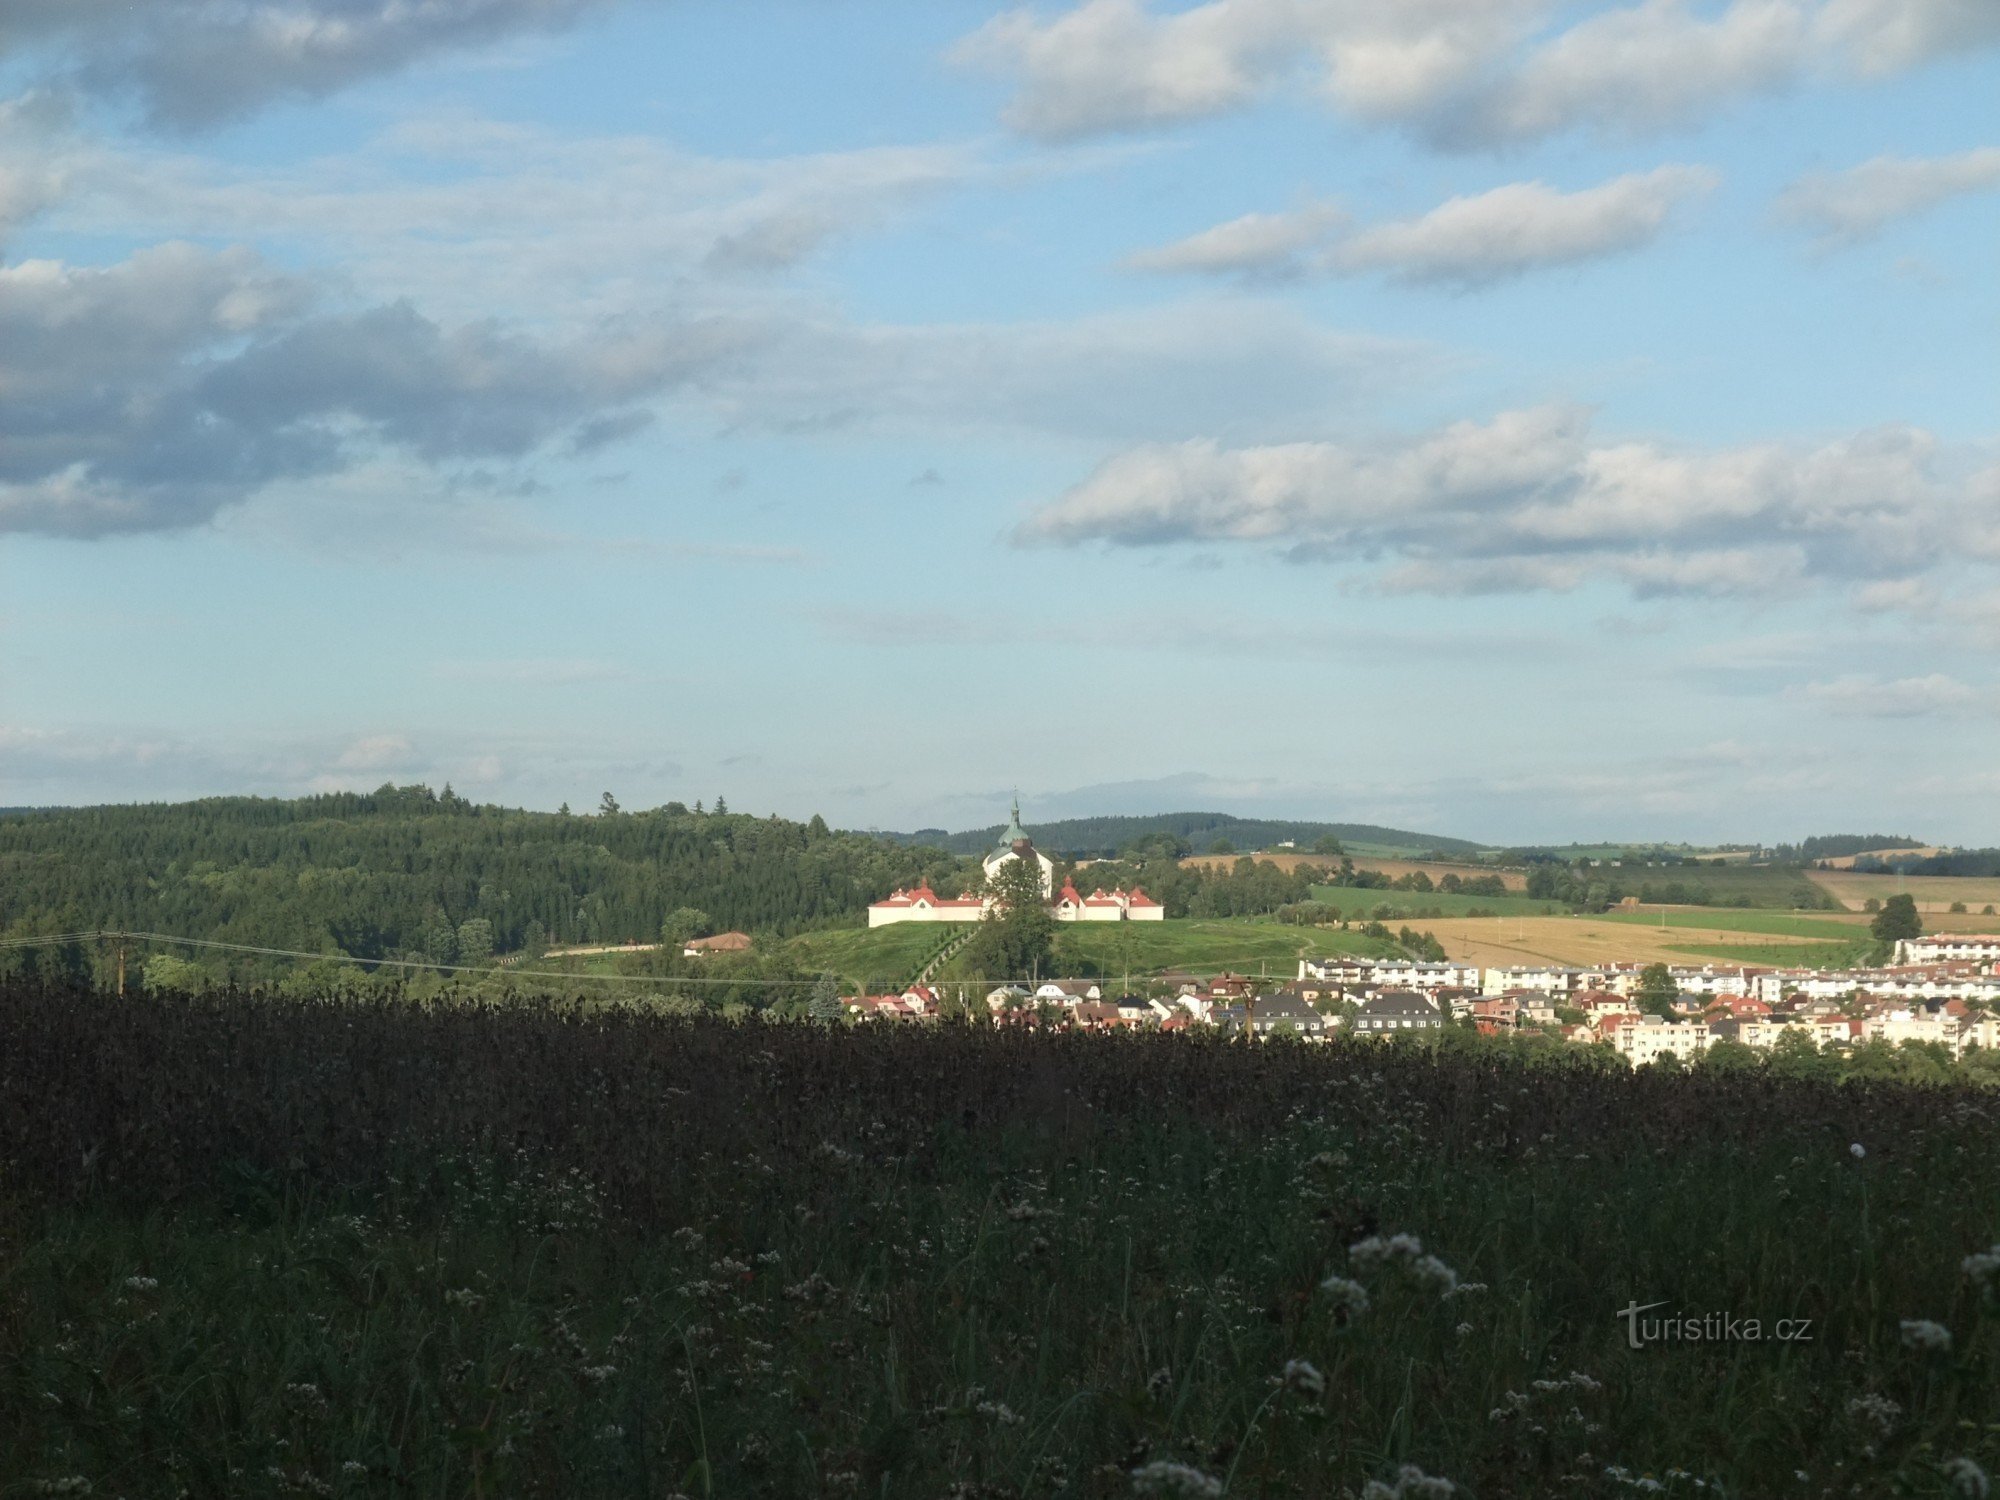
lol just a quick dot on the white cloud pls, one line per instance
(1524, 226)
(1462, 73)
(1649, 67)
(1530, 501)
(1859, 201)
(1858, 696)
(1468, 241)
(1256, 244)
(197, 63)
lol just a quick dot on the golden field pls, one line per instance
(1498, 942)
(1933, 893)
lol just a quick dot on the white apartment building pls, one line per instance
(1643, 1042)
(1949, 947)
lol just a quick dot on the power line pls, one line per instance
(430, 966)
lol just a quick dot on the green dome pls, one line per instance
(1014, 831)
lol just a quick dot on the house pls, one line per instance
(722, 942)
(1009, 997)
(1287, 1013)
(1068, 992)
(1397, 1011)
(1133, 1009)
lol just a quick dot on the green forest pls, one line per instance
(402, 872)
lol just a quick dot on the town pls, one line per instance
(1941, 991)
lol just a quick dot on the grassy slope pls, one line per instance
(1243, 945)
(1404, 905)
(1828, 928)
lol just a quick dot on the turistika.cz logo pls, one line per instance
(1708, 1328)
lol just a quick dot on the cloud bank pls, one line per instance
(1531, 500)
(1463, 74)
(191, 64)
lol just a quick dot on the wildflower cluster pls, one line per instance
(1172, 1481)
(1407, 1252)
(1410, 1483)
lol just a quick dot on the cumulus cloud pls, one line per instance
(1859, 201)
(152, 393)
(1464, 75)
(196, 63)
(1532, 501)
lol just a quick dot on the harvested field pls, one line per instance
(1501, 941)
(1933, 893)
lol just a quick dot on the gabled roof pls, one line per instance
(1399, 1003)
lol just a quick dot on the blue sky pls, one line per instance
(1510, 418)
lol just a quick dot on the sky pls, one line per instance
(1522, 420)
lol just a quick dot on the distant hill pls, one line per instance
(1104, 837)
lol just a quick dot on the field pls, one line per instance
(1406, 905)
(1828, 927)
(1933, 893)
(1514, 880)
(1619, 938)
(281, 1248)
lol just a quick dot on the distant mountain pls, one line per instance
(1103, 837)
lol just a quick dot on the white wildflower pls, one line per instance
(1412, 1483)
(1174, 1481)
(1923, 1334)
(141, 1284)
(1303, 1376)
(1982, 1268)
(354, 1466)
(1878, 1411)
(1436, 1273)
(1349, 1298)
(598, 1374)
(1968, 1481)
(1857, 1151)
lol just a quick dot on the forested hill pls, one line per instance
(395, 872)
(1107, 837)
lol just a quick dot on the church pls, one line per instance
(925, 905)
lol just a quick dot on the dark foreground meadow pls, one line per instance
(260, 1247)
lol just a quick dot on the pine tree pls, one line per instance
(826, 1005)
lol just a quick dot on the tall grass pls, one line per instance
(252, 1247)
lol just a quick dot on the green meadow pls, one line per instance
(256, 1247)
